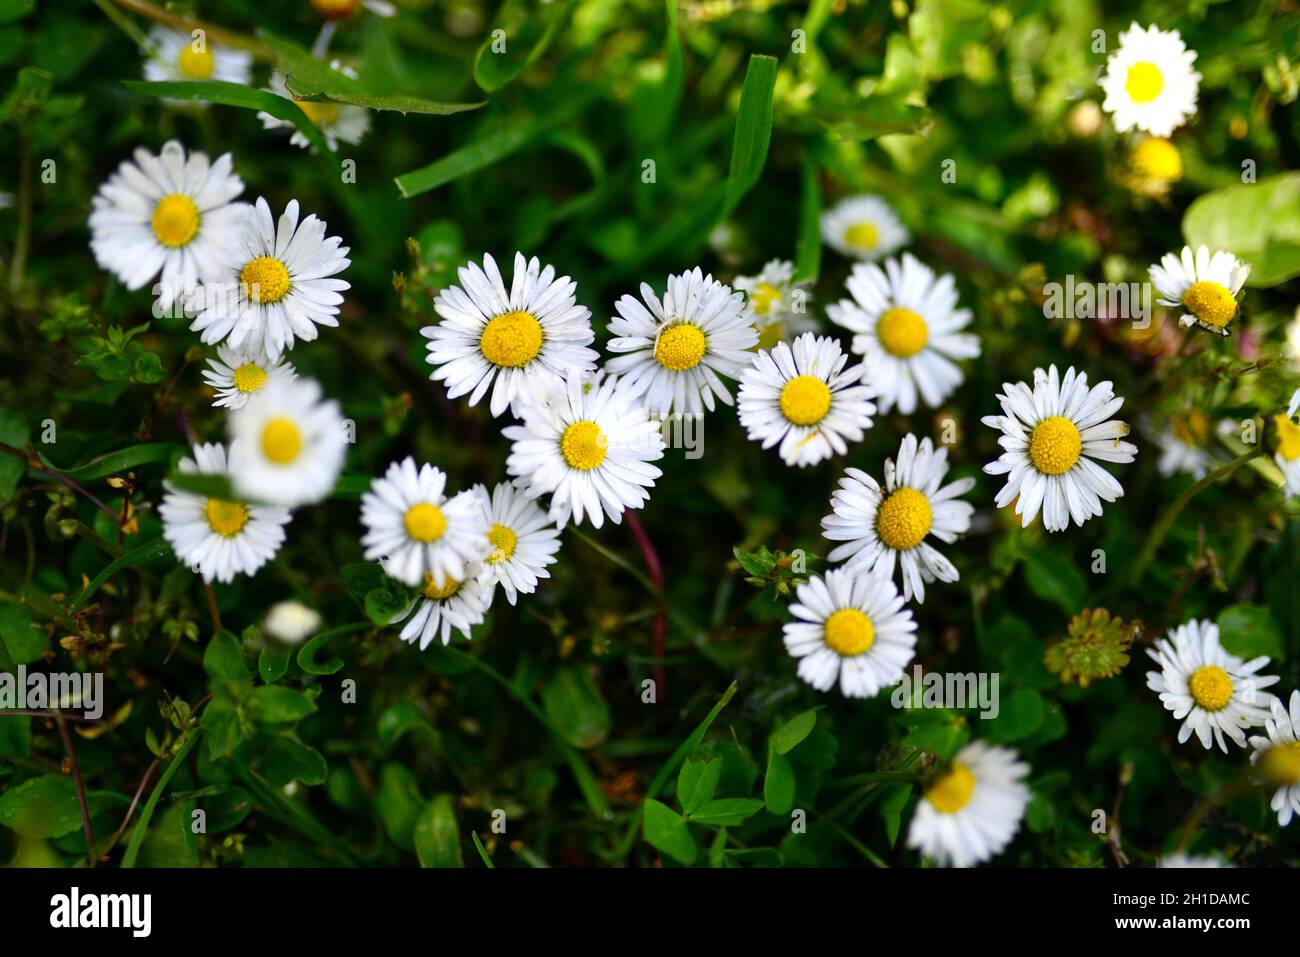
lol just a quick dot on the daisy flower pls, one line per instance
(851, 628)
(970, 813)
(1179, 859)
(342, 9)
(291, 622)
(863, 227)
(1217, 692)
(1051, 435)
(415, 531)
(802, 397)
(168, 214)
(1156, 159)
(779, 303)
(289, 444)
(275, 286)
(675, 350)
(1287, 456)
(236, 375)
(589, 448)
(337, 122)
(908, 329)
(522, 538)
(1206, 286)
(216, 537)
(885, 527)
(458, 604)
(1278, 757)
(1149, 81)
(1183, 444)
(177, 55)
(524, 340)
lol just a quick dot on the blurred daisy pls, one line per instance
(1217, 692)
(851, 628)
(884, 527)
(415, 531)
(337, 122)
(802, 397)
(524, 340)
(236, 375)
(589, 448)
(1206, 286)
(907, 327)
(779, 303)
(677, 349)
(1277, 757)
(177, 55)
(167, 214)
(288, 444)
(1287, 456)
(1149, 81)
(1051, 435)
(275, 287)
(1156, 159)
(291, 622)
(216, 537)
(456, 605)
(342, 9)
(1184, 444)
(970, 813)
(863, 227)
(1178, 859)
(522, 538)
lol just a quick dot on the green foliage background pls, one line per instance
(542, 716)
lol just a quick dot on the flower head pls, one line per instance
(1149, 81)
(1096, 646)
(1207, 287)
(863, 227)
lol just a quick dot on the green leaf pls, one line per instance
(385, 603)
(41, 807)
(757, 563)
(753, 128)
(150, 551)
(658, 104)
(891, 810)
(526, 30)
(275, 704)
(1053, 577)
(727, 812)
(14, 433)
(793, 731)
(941, 739)
(397, 719)
(1020, 715)
(1249, 631)
(361, 577)
(24, 643)
(398, 803)
(309, 655)
(575, 706)
(779, 784)
(437, 836)
(664, 829)
(273, 663)
(223, 659)
(696, 783)
(111, 463)
(15, 735)
(808, 245)
(1257, 222)
(285, 759)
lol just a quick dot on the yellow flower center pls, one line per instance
(849, 632)
(281, 440)
(1281, 763)
(768, 336)
(952, 792)
(862, 236)
(425, 522)
(904, 518)
(321, 112)
(250, 377)
(902, 332)
(680, 347)
(1288, 437)
(265, 279)
(583, 445)
(439, 592)
(511, 339)
(503, 543)
(335, 9)
(1211, 687)
(1054, 445)
(225, 518)
(196, 64)
(1211, 303)
(176, 220)
(805, 400)
(1144, 82)
(1158, 158)
(1192, 428)
(763, 297)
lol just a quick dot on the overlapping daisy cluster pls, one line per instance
(585, 437)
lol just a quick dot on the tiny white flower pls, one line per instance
(1051, 435)
(291, 622)
(1149, 82)
(1277, 756)
(803, 398)
(236, 375)
(1184, 444)
(337, 122)
(1206, 286)
(1217, 692)
(522, 538)
(177, 55)
(1179, 859)
(863, 227)
(780, 304)
(215, 537)
(456, 605)
(884, 527)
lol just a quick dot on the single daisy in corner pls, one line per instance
(1277, 756)
(415, 531)
(177, 55)
(1206, 286)
(676, 350)
(884, 527)
(216, 537)
(1216, 692)
(168, 214)
(522, 538)
(288, 444)
(276, 286)
(1051, 435)
(803, 398)
(1149, 82)
(970, 813)
(780, 304)
(519, 342)
(589, 448)
(863, 227)
(851, 629)
(455, 605)
(908, 329)
(337, 122)
(236, 375)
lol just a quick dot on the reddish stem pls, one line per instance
(659, 629)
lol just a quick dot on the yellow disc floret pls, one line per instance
(197, 64)
(176, 220)
(849, 632)
(902, 332)
(225, 518)
(1143, 82)
(1157, 158)
(281, 441)
(680, 347)
(1288, 437)
(1192, 428)
(583, 445)
(323, 113)
(425, 522)
(511, 340)
(1211, 687)
(952, 792)
(1054, 445)
(1281, 764)
(862, 236)
(503, 543)
(265, 280)
(763, 297)
(1211, 303)
(904, 518)
(439, 592)
(805, 400)
(250, 377)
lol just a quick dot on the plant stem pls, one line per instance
(188, 24)
(81, 790)
(659, 629)
(142, 825)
